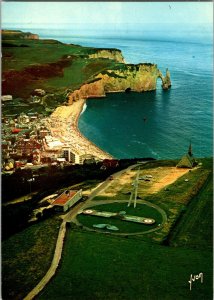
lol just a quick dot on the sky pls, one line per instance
(129, 13)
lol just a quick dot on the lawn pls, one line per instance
(97, 266)
(26, 257)
(124, 226)
(173, 199)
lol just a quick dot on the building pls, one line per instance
(70, 155)
(23, 118)
(109, 163)
(86, 157)
(36, 156)
(66, 200)
(66, 153)
(6, 98)
(26, 146)
(187, 161)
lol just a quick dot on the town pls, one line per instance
(30, 139)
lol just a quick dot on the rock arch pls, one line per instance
(166, 81)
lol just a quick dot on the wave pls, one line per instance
(84, 108)
(196, 74)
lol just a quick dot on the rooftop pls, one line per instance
(64, 197)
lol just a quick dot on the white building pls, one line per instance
(67, 199)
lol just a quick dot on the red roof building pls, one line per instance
(67, 199)
(110, 163)
(16, 130)
(26, 146)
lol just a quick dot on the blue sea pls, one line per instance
(158, 124)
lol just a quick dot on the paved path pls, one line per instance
(54, 264)
(71, 215)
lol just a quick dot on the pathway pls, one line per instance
(54, 264)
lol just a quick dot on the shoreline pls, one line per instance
(76, 128)
(63, 124)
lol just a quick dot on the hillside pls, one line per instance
(30, 63)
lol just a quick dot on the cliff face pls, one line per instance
(31, 36)
(17, 34)
(139, 78)
(114, 54)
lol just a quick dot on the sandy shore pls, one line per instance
(63, 124)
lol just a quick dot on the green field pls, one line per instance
(26, 257)
(195, 227)
(95, 266)
(81, 70)
(38, 52)
(103, 266)
(123, 226)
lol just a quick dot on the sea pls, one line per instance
(158, 124)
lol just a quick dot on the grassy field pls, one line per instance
(95, 266)
(124, 226)
(195, 227)
(80, 71)
(26, 257)
(47, 64)
(173, 199)
(44, 51)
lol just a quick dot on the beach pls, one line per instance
(63, 125)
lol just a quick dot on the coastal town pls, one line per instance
(32, 140)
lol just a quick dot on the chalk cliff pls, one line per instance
(18, 34)
(114, 54)
(138, 78)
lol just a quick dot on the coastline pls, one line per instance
(76, 128)
(63, 124)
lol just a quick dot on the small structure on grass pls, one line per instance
(123, 217)
(106, 226)
(187, 161)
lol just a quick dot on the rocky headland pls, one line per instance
(114, 54)
(136, 78)
(68, 74)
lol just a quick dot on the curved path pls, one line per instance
(96, 203)
(59, 244)
(100, 188)
(54, 264)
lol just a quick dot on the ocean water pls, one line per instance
(157, 124)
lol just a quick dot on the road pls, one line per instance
(100, 188)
